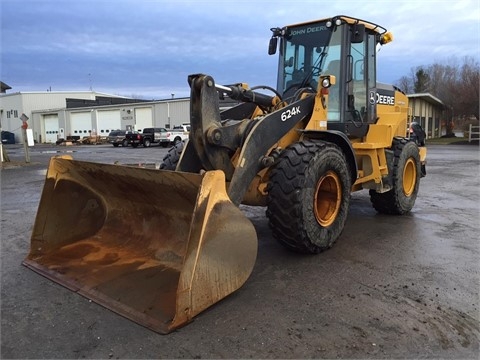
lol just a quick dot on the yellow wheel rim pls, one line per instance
(328, 198)
(409, 177)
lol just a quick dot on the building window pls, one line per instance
(15, 114)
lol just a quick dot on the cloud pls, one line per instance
(145, 45)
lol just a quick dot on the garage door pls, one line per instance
(143, 118)
(50, 122)
(108, 120)
(81, 123)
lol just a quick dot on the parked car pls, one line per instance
(117, 137)
(8, 137)
(148, 137)
(178, 133)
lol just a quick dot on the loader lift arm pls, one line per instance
(214, 143)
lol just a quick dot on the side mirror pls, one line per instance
(272, 46)
(358, 33)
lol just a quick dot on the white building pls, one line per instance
(429, 111)
(14, 104)
(84, 120)
(59, 115)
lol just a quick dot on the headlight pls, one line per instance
(326, 83)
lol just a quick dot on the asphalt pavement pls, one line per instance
(391, 287)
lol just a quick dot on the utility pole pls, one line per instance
(24, 119)
(3, 153)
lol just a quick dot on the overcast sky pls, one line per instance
(147, 48)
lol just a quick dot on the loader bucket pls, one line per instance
(155, 246)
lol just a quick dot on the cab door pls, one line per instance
(361, 81)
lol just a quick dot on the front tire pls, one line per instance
(406, 171)
(172, 158)
(309, 196)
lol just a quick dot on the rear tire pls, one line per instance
(115, 145)
(309, 196)
(172, 158)
(405, 178)
(125, 143)
(146, 143)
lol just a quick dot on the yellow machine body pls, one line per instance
(160, 246)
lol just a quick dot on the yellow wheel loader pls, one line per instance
(179, 242)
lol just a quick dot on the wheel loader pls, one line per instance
(183, 242)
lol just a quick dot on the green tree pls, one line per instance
(422, 80)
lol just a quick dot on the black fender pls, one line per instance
(342, 141)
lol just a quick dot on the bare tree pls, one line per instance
(454, 82)
(468, 85)
(405, 84)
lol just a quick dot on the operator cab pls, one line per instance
(341, 46)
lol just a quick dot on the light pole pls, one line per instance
(168, 111)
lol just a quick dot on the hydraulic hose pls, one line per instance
(237, 92)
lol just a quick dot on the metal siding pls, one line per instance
(161, 115)
(172, 113)
(10, 103)
(35, 101)
(44, 101)
(179, 112)
(127, 118)
(52, 100)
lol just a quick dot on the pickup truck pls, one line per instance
(178, 133)
(148, 137)
(117, 137)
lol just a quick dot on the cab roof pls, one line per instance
(350, 20)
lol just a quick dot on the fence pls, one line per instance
(473, 132)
